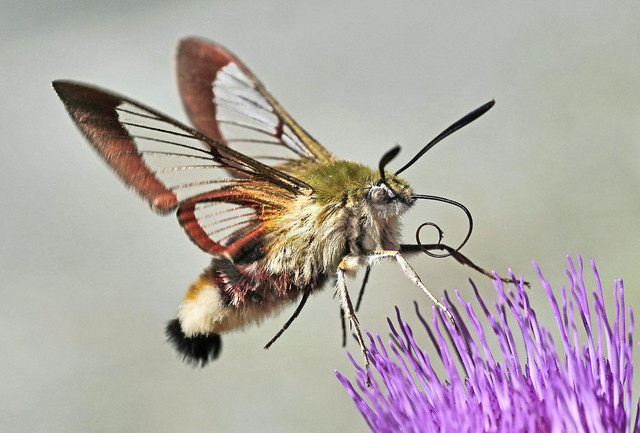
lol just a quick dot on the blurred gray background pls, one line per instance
(88, 275)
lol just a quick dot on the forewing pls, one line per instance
(166, 162)
(227, 102)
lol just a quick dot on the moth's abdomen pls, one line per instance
(198, 349)
(193, 333)
(210, 309)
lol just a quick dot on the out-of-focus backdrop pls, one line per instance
(88, 275)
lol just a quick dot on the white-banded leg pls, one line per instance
(412, 275)
(347, 306)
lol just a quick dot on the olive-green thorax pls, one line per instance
(342, 181)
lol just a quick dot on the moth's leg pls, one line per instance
(345, 301)
(413, 276)
(457, 255)
(365, 280)
(344, 328)
(305, 296)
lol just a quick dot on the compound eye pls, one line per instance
(378, 194)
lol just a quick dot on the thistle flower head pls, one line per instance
(525, 386)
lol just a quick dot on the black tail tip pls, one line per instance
(193, 350)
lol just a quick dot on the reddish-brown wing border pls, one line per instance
(262, 200)
(198, 63)
(96, 114)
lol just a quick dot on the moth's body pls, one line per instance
(301, 247)
(278, 223)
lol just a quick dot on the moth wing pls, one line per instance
(231, 220)
(226, 101)
(171, 165)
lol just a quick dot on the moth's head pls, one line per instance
(386, 195)
(389, 195)
(392, 194)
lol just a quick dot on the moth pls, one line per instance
(278, 213)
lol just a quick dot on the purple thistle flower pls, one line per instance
(527, 387)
